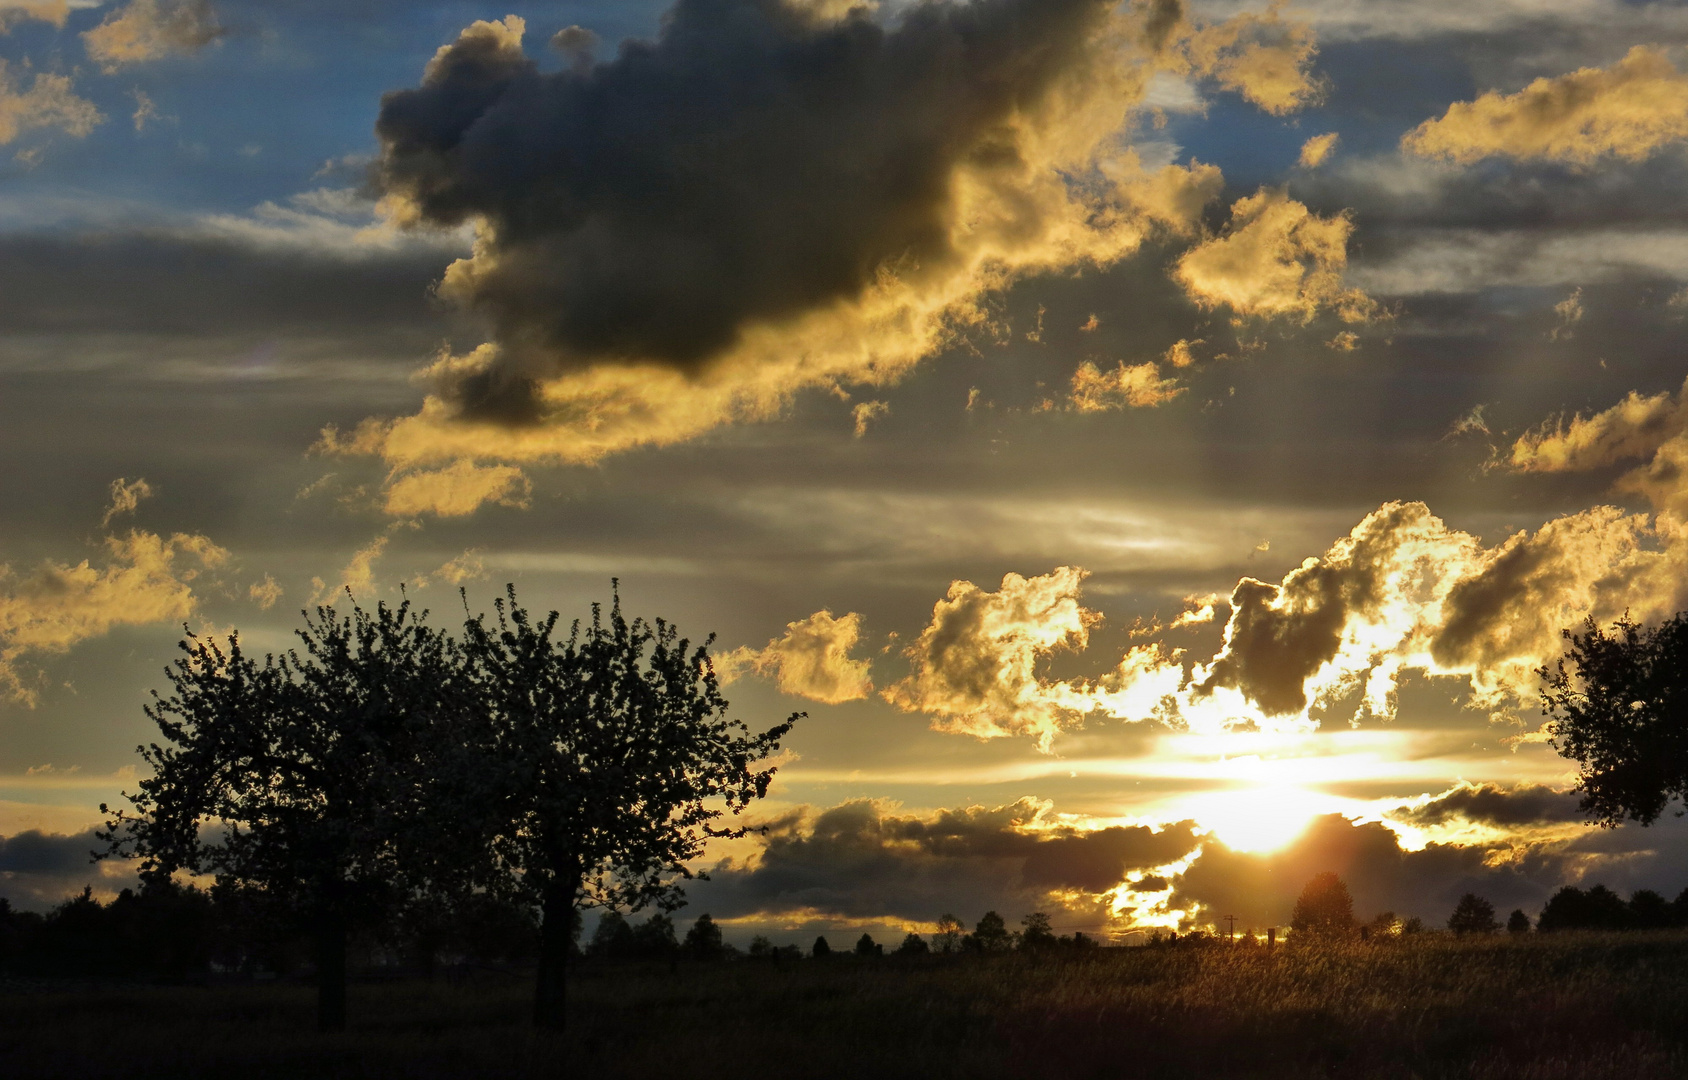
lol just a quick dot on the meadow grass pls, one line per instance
(1532, 1008)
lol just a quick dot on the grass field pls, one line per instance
(1535, 1008)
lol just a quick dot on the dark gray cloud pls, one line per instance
(38, 869)
(752, 164)
(857, 861)
(1492, 804)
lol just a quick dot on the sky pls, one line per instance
(1157, 443)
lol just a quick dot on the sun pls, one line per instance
(1259, 818)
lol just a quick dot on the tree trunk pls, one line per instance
(331, 969)
(556, 934)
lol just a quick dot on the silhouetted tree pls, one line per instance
(866, 946)
(306, 776)
(1414, 925)
(947, 939)
(913, 945)
(1036, 933)
(609, 757)
(821, 950)
(654, 938)
(1473, 915)
(1618, 704)
(1648, 910)
(703, 940)
(991, 934)
(1324, 907)
(1518, 922)
(1571, 908)
(762, 949)
(612, 939)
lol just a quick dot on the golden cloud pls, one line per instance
(50, 11)
(1275, 258)
(1265, 58)
(1628, 110)
(811, 659)
(125, 497)
(1317, 150)
(1137, 386)
(866, 412)
(48, 103)
(264, 593)
(1653, 428)
(358, 576)
(457, 490)
(143, 579)
(149, 30)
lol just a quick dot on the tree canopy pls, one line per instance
(1618, 703)
(303, 776)
(1324, 907)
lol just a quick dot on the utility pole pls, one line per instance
(1232, 919)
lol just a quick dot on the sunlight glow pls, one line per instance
(1262, 818)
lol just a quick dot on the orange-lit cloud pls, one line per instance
(1275, 258)
(1266, 58)
(1137, 386)
(125, 497)
(1317, 150)
(50, 102)
(49, 11)
(974, 669)
(1628, 110)
(143, 578)
(457, 490)
(1651, 429)
(265, 593)
(358, 577)
(811, 659)
(149, 30)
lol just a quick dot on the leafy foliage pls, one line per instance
(1618, 704)
(1324, 907)
(1473, 915)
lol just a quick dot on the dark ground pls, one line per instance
(1542, 1007)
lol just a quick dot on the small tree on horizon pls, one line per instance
(1324, 908)
(1518, 922)
(1036, 932)
(703, 940)
(1473, 915)
(947, 938)
(991, 934)
(821, 949)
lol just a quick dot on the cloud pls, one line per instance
(48, 103)
(864, 861)
(866, 412)
(1653, 428)
(1404, 592)
(16, 11)
(1265, 58)
(143, 579)
(675, 240)
(1629, 111)
(1261, 889)
(1570, 312)
(974, 667)
(465, 567)
(1137, 386)
(39, 870)
(148, 30)
(1317, 150)
(125, 497)
(1275, 258)
(264, 593)
(1492, 804)
(811, 659)
(358, 576)
(457, 490)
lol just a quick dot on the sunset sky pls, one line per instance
(1156, 443)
